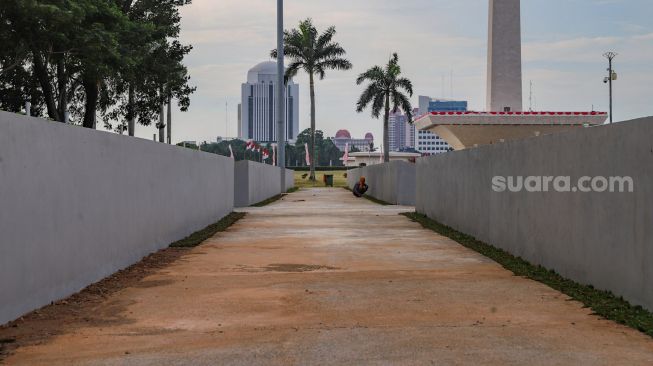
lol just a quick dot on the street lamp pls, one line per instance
(612, 76)
(281, 125)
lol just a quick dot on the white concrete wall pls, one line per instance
(393, 182)
(602, 239)
(290, 179)
(255, 182)
(76, 205)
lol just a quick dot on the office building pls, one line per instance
(258, 105)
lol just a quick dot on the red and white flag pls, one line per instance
(308, 156)
(232, 153)
(250, 145)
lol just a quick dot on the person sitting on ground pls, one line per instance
(360, 188)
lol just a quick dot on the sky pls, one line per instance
(442, 45)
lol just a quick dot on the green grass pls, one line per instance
(602, 303)
(198, 237)
(275, 198)
(370, 198)
(269, 201)
(339, 179)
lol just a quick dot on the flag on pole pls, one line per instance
(308, 156)
(345, 158)
(232, 152)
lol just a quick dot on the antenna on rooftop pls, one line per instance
(443, 94)
(451, 83)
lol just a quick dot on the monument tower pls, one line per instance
(504, 119)
(504, 71)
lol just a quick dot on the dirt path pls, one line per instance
(323, 279)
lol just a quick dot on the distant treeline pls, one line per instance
(327, 152)
(116, 61)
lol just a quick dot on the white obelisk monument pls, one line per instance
(504, 72)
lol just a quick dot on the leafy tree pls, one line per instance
(314, 53)
(156, 73)
(326, 152)
(116, 57)
(384, 93)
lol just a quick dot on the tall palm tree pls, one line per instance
(385, 93)
(314, 53)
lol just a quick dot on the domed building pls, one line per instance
(257, 111)
(343, 134)
(343, 137)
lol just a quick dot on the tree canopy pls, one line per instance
(117, 58)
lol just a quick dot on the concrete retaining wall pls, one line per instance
(255, 182)
(603, 239)
(77, 205)
(393, 182)
(290, 179)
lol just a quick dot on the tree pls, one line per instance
(155, 73)
(314, 53)
(116, 57)
(384, 92)
(326, 152)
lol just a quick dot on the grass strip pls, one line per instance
(269, 200)
(275, 198)
(198, 237)
(370, 198)
(602, 303)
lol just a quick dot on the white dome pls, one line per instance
(264, 68)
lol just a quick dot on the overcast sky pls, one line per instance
(563, 43)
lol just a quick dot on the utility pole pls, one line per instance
(281, 125)
(612, 76)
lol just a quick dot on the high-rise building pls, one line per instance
(401, 133)
(427, 142)
(258, 105)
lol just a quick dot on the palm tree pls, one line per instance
(314, 53)
(384, 93)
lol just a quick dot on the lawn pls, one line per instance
(339, 179)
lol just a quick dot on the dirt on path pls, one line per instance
(322, 278)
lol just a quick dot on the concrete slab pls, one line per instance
(322, 278)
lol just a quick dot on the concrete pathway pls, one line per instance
(324, 279)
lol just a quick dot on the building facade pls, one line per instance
(343, 137)
(258, 106)
(427, 142)
(401, 132)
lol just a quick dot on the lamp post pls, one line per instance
(612, 76)
(281, 126)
